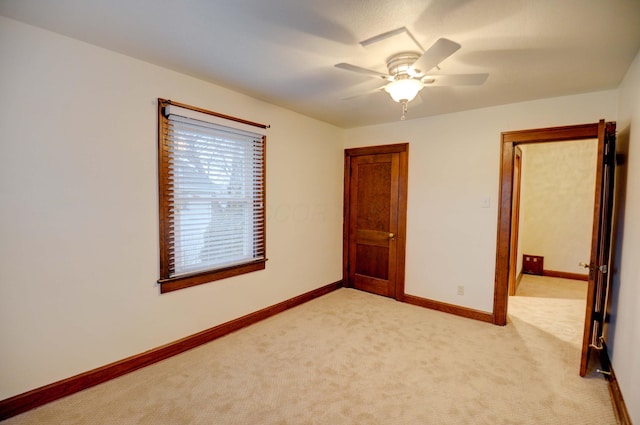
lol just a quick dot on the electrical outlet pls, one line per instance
(460, 290)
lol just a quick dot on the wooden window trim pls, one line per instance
(167, 283)
(181, 282)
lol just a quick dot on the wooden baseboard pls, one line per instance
(48, 393)
(565, 275)
(518, 279)
(619, 407)
(449, 308)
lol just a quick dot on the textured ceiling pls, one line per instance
(284, 51)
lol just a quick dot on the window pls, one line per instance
(212, 195)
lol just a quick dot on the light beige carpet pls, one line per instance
(355, 358)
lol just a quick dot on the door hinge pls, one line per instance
(598, 316)
(610, 157)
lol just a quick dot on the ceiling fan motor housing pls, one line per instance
(400, 64)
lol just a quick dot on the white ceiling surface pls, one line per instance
(284, 51)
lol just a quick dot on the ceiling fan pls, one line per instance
(408, 71)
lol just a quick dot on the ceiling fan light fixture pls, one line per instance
(404, 90)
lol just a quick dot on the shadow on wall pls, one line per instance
(620, 195)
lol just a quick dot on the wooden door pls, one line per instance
(375, 219)
(515, 220)
(599, 265)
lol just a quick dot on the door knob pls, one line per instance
(392, 236)
(603, 268)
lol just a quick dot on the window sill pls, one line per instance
(181, 282)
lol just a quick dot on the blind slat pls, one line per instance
(216, 195)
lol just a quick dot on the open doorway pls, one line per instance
(552, 215)
(598, 283)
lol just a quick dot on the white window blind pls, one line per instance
(215, 194)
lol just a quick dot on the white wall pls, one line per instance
(453, 165)
(557, 197)
(79, 228)
(624, 331)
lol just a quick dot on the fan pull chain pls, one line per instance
(404, 110)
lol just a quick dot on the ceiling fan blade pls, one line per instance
(455, 79)
(378, 89)
(360, 70)
(385, 35)
(441, 49)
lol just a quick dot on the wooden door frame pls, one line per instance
(401, 236)
(509, 140)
